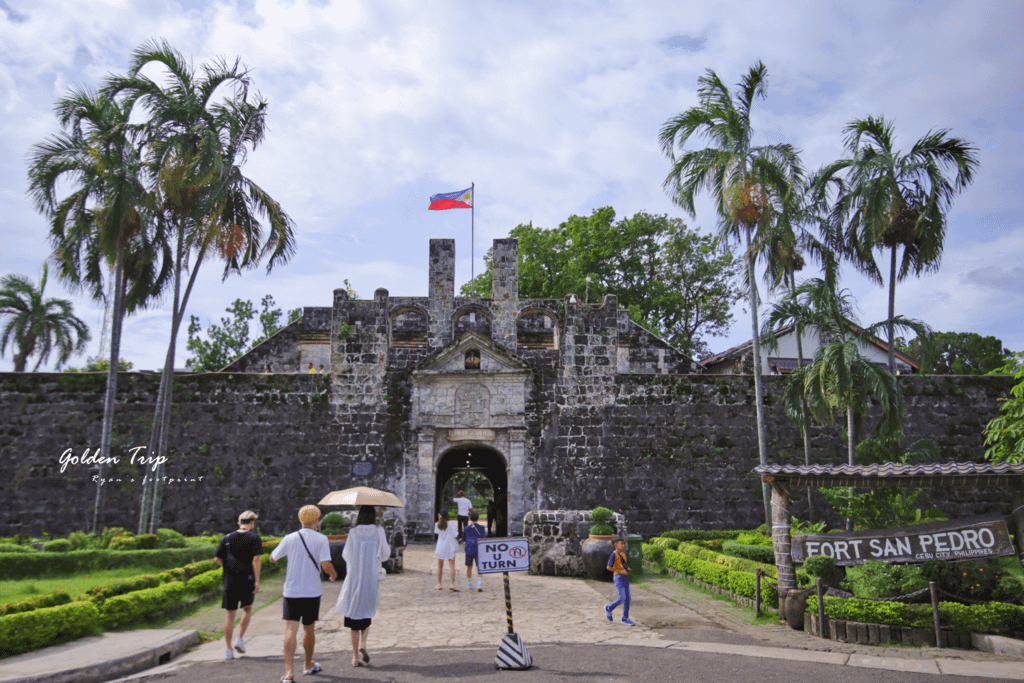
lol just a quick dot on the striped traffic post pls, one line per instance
(507, 555)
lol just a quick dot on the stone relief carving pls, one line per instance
(472, 405)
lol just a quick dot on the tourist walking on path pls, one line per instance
(307, 551)
(447, 546)
(365, 549)
(464, 504)
(239, 554)
(618, 564)
(474, 532)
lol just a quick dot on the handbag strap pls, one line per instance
(312, 559)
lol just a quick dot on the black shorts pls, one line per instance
(306, 610)
(471, 558)
(357, 624)
(238, 594)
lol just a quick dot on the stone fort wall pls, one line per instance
(668, 451)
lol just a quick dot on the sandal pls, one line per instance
(315, 670)
(453, 589)
(439, 587)
(356, 662)
(365, 654)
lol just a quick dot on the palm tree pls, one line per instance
(36, 325)
(197, 146)
(839, 378)
(746, 182)
(890, 200)
(105, 222)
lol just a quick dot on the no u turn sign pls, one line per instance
(496, 555)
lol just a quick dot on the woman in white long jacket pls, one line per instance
(365, 549)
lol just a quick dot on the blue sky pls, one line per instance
(552, 109)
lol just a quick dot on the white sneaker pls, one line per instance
(228, 654)
(480, 586)
(469, 584)
(240, 645)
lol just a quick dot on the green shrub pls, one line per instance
(991, 581)
(101, 594)
(820, 566)
(757, 553)
(169, 538)
(15, 566)
(701, 535)
(665, 542)
(735, 580)
(48, 600)
(872, 612)
(205, 582)
(108, 534)
(41, 627)
(121, 610)
(60, 545)
(751, 538)
(654, 553)
(334, 523)
(12, 548)
(146, 542)
(883, 580)
(83, 541)
(600, 517)
(994, 617)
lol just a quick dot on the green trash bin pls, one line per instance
(635, 552)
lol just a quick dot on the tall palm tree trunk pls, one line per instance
(892, 313)
(110, 396)
(849, 451)
(805, 425)
(762, 442)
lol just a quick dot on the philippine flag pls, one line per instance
(463, 199)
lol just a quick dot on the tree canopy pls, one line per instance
(957, 353)
(672, 280)
(229, 340)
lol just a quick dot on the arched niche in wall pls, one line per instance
(472, 318)
(409, 327)
(537, 328)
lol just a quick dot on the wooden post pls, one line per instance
(822, 626)
(1016, 524)
(935, 613)
(757, 592)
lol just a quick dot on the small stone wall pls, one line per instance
(556, 537)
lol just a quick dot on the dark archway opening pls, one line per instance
(485, 475)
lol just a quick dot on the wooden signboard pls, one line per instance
(960, 539)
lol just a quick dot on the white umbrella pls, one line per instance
(362, 495)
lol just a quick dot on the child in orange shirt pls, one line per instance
(618, 564)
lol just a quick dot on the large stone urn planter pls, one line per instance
(793, 605)
(596, 550)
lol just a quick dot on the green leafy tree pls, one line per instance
(229, 340)
(675, 282)
(37, 326)
(1004, 435)
(957, 353)
(98, 364)
(747, 183)
(889, 200)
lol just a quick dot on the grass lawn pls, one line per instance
(15, 591)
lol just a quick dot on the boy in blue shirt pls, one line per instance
(618, 564)
(473, 532)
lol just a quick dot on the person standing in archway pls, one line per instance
(464, 505)
(492, 513)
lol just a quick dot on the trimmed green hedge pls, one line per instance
(48, 600)
(653, 553)
(756, 553)
(666, 542)
(737, 581)
(100, 594)
(992, 617)
(701, 535)
(14, 566)
(205, 582)
(32, 630)
(121, 610)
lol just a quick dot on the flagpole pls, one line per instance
(472, 231)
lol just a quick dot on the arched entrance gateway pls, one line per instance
(468, 406)
(480, 472)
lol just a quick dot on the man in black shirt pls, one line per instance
(239, 553)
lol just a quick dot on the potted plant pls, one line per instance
(335, 527)
(598, 546)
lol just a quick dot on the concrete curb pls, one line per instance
(146, 658)
(999, 645)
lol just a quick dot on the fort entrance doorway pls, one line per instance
(479, 471)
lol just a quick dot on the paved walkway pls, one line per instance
(414, 615)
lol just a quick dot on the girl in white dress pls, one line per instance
(447, 546)
(365, 550)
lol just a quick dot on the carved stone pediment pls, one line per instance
(453, 357)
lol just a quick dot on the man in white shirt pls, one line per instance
(307, 551)
(464, 506)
